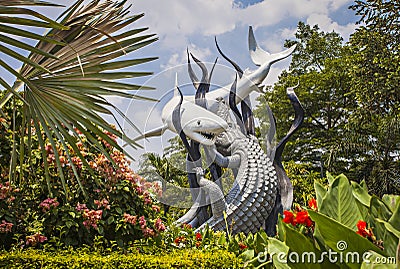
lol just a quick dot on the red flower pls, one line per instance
(242, 245)
(289, 217)
(302, 217)
(362, 229)
(198, 237)
(179, 239)
(186, 226)
(313, 204)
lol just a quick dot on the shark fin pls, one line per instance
(260, 56)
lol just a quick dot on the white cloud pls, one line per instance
(327, 24)
(177, 59)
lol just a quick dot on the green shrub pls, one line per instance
(187, 258)
(109, 201)
(302, 177)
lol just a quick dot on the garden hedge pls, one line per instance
(185, 258)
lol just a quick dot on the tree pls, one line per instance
(318, 69)
(66, 76)
(373, 130)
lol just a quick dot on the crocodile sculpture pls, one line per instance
(255, 190)
(261, 188)
(254, 201)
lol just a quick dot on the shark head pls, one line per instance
(196, 122)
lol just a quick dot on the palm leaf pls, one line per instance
(26, 3)
(65, 80)
(10, 26)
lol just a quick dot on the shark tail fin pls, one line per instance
(260, 56)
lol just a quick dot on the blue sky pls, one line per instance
(182, 24)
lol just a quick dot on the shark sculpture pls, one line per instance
(247, 82)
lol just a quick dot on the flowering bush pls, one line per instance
(112, 201)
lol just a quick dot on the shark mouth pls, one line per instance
(209, 136)
(206, 138)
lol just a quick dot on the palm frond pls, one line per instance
(65, 84)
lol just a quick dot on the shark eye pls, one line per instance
(198, 122)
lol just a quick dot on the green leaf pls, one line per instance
(330, 178)
(110, 220)
(379, 210)
(372, 263)
(360, 192)
(320, 192)
(340, 204)
(247, 255)
(101, 230)
(302, 250)
(391, 201)
(395, 218)
(336, 234)
(275, 248)
(383, 233)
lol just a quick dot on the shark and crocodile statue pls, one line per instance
(261, 188)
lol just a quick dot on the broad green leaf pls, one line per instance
(330, 177)
(340, 204)
(391, 201)
(320, 192)
(247, 255)
(379, 210)
(377, 261)
(363, 199)
(395, 218)
(302, 253)
(337, 235)
(383, 233)
(360, 192)
(278, 251)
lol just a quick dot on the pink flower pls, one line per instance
(80, 207)
(6, 227)
(49, 203)
(159, 226)
(148, 232)
(33, 240)
(142, 222)
(155, 208)
(102, 203)
(130, 219)
(92, 218)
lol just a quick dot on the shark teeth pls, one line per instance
(209, 136)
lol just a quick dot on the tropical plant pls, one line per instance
(64, 81)
(344, 219)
